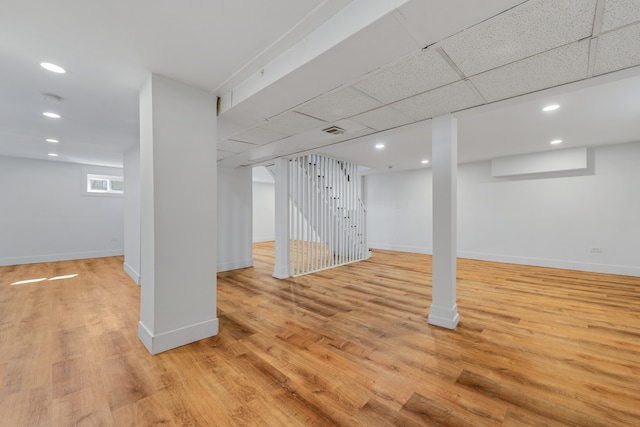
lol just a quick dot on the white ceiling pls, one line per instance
(287, 69)
(110, 47)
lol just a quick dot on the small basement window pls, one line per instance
(105, 184)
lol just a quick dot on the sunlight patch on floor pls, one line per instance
(42, 279)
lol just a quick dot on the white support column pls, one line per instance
(178, 236)
(444, 311)
(281, 268)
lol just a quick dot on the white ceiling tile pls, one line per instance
(454, 97)
(234, 146)
(532, 28)
(313, 144)
(258, 136)
(418, 73)
(404, 148)
(222, 154)
(553, 68)
(432, 21)
(620, 12)
(292, 123)
(339, 104)
(618, 49)
(382, 118)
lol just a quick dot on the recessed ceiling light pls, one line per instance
(51, 115)
(551, 107)
(53, 154)
(55, 141)
(556, 141)
(379, 146)
(53, 67)
(424, 162)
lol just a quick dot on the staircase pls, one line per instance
(327, 217)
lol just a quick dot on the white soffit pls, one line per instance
(356, 17)
(454, 97)
(380, 43)
(552, 68)
(322, 12)
(258, 136)
(339, 104)
(234, 146)
(544, 162)
(527, 30)
(620, 12)
(418, 73)
(618, 49)
(382, 118)
(291, 123)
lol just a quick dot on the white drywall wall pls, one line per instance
(234, 219)
(44, 215)
(263, 212)
(586, 220)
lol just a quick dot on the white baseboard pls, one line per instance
(178, 337)
(132, 273)
(234, 265)
(401, 248)
(35, 259)
(622, 270)
(445, 317)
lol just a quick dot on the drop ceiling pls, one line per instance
(380, 70)
(528, 55)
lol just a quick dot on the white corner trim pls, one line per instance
(132, 273)
(177, 337)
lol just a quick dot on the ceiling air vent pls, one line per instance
(334, 130)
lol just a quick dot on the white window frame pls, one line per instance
(86, 185)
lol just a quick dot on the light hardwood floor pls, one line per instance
(349, 346)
